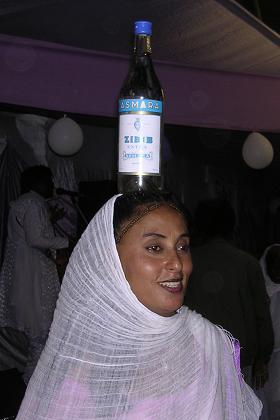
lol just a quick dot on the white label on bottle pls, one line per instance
(139, 144)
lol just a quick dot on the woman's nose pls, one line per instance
(174, 262)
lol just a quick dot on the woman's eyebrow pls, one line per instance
(185, 234)
(159, 235)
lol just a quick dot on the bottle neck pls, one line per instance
(142, 45)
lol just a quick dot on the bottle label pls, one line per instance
(139, 136)
(140, 105)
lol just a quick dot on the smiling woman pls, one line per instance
(121, 345)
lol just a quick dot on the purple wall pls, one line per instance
(56, 77)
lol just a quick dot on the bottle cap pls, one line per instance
(143, 27)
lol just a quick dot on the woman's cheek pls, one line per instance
(150, 265)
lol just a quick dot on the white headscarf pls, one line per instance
(109, 357)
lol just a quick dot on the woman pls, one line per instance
(121, 345)
(270, 263)
(29, 283)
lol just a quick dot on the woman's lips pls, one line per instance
(172, 286)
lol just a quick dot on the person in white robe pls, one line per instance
(270, 263)
(121, 345)
(29, 283)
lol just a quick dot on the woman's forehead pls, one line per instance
(163, 218)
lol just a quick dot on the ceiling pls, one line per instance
(209, 34)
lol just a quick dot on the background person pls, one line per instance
(29, 282)
(227, 287)
(270, 263)
(121, 345)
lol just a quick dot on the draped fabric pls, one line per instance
(109, 357)
(11, 165)
(13, 160)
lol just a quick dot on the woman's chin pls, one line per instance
(171, 306)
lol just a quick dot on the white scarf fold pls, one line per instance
(109, 357)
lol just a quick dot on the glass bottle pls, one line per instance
(140, 119)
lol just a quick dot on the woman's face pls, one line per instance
(156, 259)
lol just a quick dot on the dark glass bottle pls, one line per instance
(140, 119)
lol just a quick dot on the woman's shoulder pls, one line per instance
(27, 202)
(202, 328)
(197, 320)
(28, 198)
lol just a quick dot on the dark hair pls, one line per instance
(33, 177)
(214, 217)
(130, 206)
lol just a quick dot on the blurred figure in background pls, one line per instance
(29, 283)
(270, 263)
(227, 287)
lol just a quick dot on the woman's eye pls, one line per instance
(154, 248)
(184, 248)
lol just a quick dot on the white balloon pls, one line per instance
(65, 137)
(257, 151)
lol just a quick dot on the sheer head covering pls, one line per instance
(109, 357)
(271, 286)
